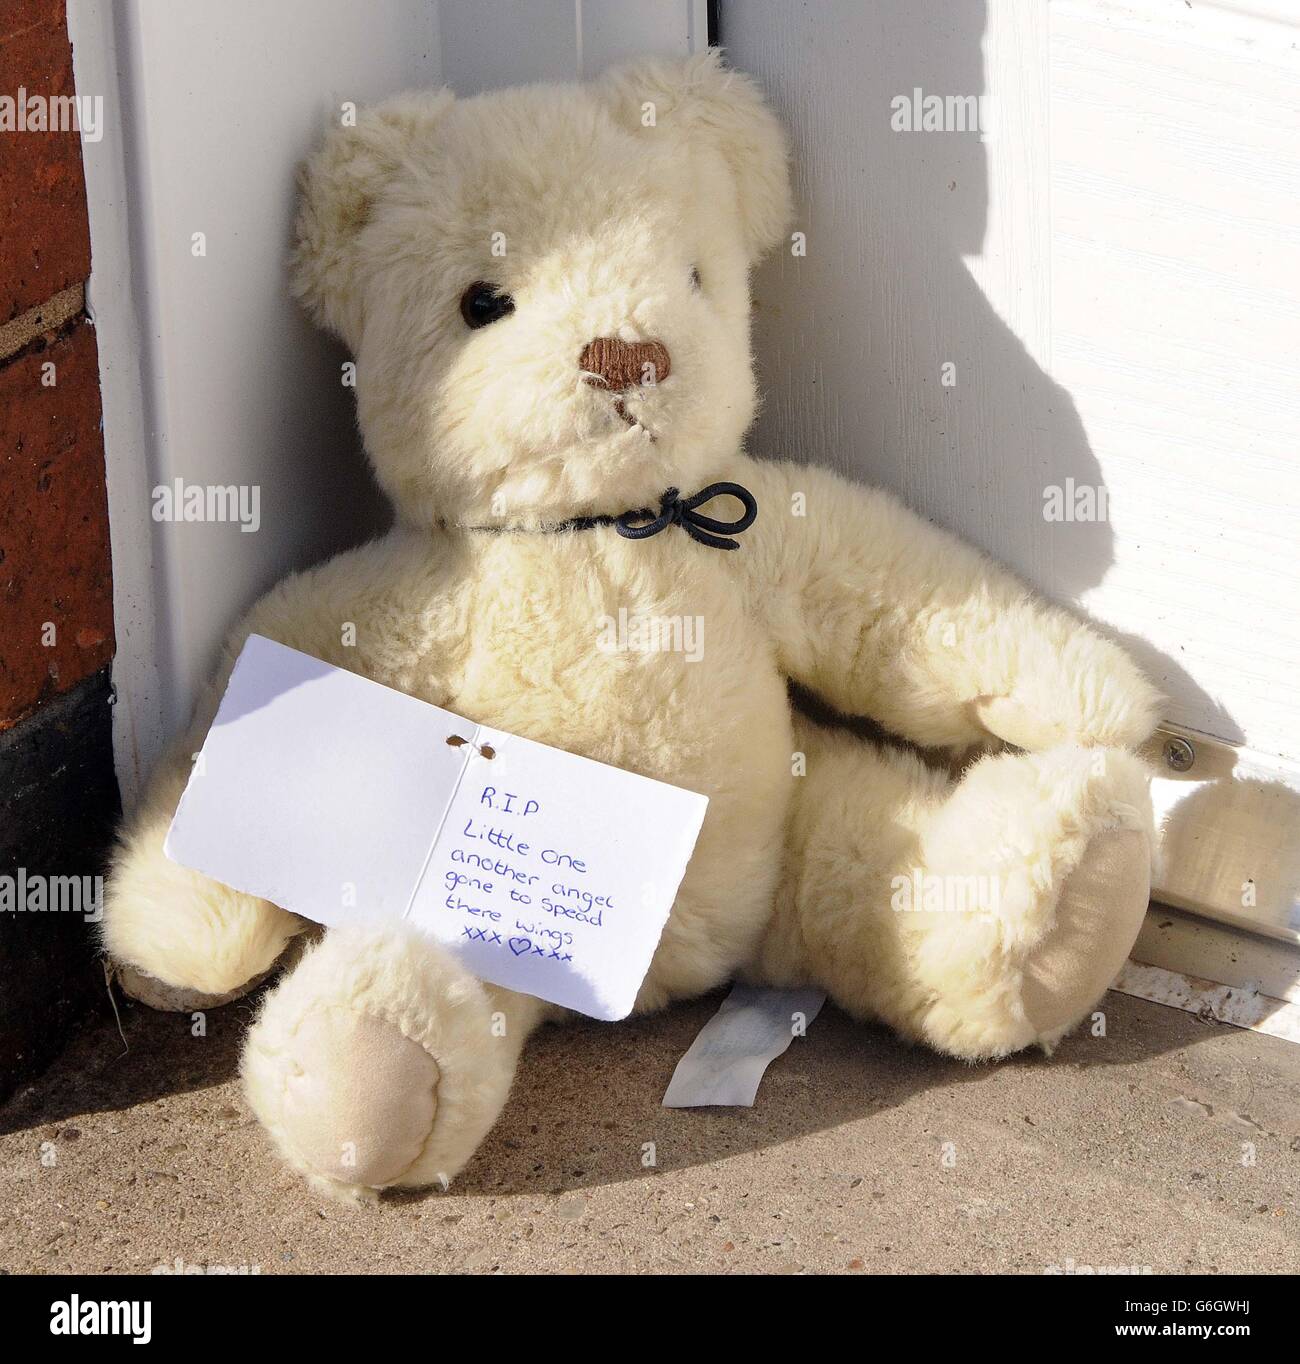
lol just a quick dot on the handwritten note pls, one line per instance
(343, 801)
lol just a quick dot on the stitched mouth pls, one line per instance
(621, 409)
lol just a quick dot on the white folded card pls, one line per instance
(341, 800)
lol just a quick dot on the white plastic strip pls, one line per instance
(726, 1062)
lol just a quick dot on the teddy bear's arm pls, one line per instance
(186, 930)
(886, 615)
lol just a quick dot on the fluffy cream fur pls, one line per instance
(377, 1060)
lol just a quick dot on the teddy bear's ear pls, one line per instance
(720, 107)
(339, 184)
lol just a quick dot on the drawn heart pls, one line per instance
(520, 945)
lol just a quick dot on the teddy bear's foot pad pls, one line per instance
(380, 1061)
(1098, 916)
(157, 994)
(139, 985)
(359, 1098)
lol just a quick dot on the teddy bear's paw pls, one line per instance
(179, 940)
(357, 1098)
(153, 993)
(378, 1062)
(1098, 914)
(1066, 685)
(1052, 853)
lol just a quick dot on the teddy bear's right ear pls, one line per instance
(339, 184)
(711, 104)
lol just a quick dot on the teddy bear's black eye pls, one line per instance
(482, 303)
(696, 283)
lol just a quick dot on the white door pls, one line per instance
(1058, 311)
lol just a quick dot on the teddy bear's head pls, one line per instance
(546, 289)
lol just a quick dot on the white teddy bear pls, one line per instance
(546, 291)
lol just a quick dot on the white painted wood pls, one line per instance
(1115, 273)
(1230, 843)
(487, 44)
(1204, 951)
(1216, 972)
(1176, 312)
(617, 30)
(138, 670)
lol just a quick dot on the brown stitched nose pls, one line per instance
(620, 365)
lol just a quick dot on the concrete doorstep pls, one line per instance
(1169, 1143)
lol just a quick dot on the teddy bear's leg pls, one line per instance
(177, 939)
(379, 1061)
(981, 916)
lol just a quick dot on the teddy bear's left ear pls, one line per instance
(717, 106)
(339, 185)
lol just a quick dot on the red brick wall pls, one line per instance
(56, 625)
(44, 239)
(58, 796)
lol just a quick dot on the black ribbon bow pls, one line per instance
(675, 510)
